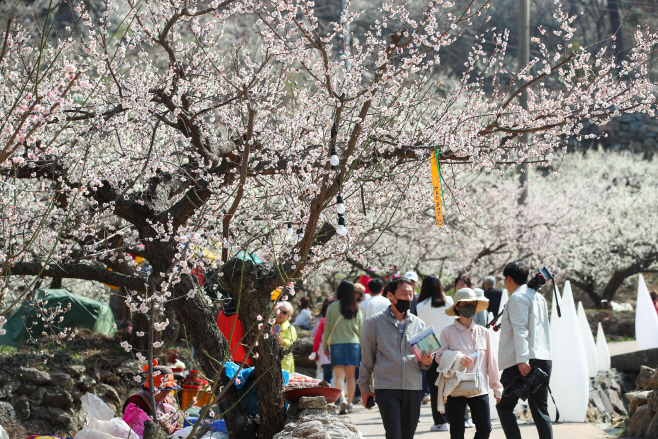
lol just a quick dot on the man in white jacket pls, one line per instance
(525, 344)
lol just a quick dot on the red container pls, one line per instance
(331, 394)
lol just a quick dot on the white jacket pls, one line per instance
(450, 374)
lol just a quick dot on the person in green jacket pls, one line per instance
(343, 329)
(286, 334)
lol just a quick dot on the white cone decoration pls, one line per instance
(569, 377)
(495, 341)
(557, 297)
(602, 352)
(503, 300)
(646, 318)
(588, 342)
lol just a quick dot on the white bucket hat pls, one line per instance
(468, 295)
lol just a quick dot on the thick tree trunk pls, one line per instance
(615, 27)
(588, 285)
(198, 316)
(252, 285)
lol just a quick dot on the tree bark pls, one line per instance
(252, 286)
(615, 27)
(197, 314)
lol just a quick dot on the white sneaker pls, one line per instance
(426, 399)
(440, 427)
(469, 424)
(343, 406)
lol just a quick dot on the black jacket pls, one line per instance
(494, 295)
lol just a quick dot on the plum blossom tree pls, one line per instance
(590, 220)
(151, 135)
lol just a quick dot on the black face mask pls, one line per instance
(403, 305)
(467, 311)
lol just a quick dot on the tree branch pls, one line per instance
(79, 271)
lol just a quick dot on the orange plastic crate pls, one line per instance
(186, 396)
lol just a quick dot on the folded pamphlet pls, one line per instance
(425, 341)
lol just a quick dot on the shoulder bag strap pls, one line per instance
(332, 331)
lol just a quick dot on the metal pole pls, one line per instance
(524, 59)
(346, 35)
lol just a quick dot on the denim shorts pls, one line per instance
(345, 354)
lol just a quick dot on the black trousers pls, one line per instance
(480, 414)
(327, 372)
(539, 401)
(400, 411)
(432, 375)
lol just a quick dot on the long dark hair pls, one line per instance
(465, 279)
(305, 303)
(433, 289)
(325, 305)
(349, 307)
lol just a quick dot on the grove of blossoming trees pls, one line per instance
(593, 224)
(145, 132)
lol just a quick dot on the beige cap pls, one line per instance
(468, 295)
(359, 288)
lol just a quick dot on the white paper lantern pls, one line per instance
(646, 318)
(569, 377)
(602, 352)
(588, 342)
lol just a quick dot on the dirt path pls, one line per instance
(369, 423)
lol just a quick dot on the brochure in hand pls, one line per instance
(425, 341)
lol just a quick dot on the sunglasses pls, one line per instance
(285, 313)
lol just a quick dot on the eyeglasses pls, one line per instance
(285, 313)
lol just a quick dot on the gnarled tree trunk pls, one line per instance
(252, 285)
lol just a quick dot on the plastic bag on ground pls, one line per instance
(135, 418)
(101, 423)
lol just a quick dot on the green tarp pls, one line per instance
(84, 313)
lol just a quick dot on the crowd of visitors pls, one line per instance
(370, 326)
(361, 344)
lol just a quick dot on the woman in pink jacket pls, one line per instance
(473, 345)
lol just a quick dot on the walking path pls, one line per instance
(622, 347)
(369, 422)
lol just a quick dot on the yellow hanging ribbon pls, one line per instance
(436, 184)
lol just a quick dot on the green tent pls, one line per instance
(84, 313)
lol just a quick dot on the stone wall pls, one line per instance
(644, 406)
(606, 398)
(313, 418)
(46, 398)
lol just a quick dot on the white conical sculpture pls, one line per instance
(495, 339)
(556, 298)
(646, 318)
(503, 300)
(569, 377)
(602, 352)
(588, 342)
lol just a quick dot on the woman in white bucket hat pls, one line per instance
(466, 355)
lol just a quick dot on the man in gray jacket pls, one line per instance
(386, 355)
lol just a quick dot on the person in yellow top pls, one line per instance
(285, 333)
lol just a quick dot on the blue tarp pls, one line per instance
(230, 369)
